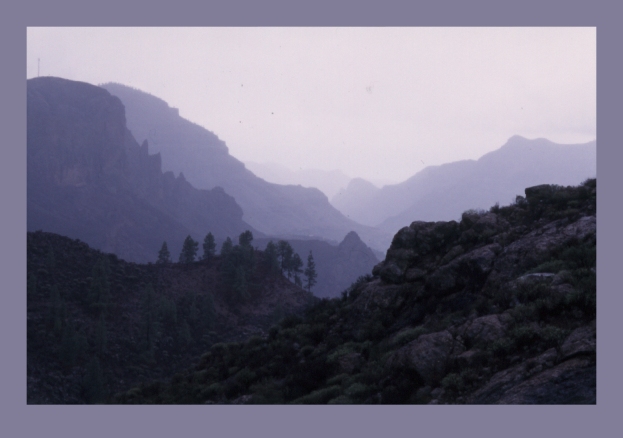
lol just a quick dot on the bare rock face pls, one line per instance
(483, 330)
(582, 341)
(88, 178)
(542, 381)
(429, 354)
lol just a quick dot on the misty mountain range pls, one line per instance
(444, 192)
(435, 193)
(88, 178)
(329, 182)
(205, 161)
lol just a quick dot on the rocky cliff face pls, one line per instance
(89, 179)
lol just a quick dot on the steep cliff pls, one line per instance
(88, 178)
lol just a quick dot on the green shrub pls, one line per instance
(408, 335)
(453, 384)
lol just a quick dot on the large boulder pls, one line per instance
(429, 354)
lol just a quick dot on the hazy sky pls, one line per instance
(377, 103)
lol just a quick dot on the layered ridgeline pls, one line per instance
(88, 178)
(329, 182)
(497, 308)
(97, 325)
(204, 159)
(337, 266)
(444, 192)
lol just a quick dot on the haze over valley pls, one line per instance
(319, 224)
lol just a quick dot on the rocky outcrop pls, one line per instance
(429, 354)
(521, 258)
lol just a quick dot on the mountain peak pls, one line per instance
(351, 238)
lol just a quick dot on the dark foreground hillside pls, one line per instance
(498, 308)
(98, 325)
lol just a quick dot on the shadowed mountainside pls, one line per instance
(88, 178)
(205, 161)
(97, 325)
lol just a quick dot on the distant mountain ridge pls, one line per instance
(88, 178)
(444, 192)
(204, 159)
(329, 182)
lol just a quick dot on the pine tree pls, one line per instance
(240, 284)
(209, 247)
(164, 256)
(271, 258)
(227, 247)
(286, 253)
(189, 250)
(310, 272)
(297, 264)
(245, 238)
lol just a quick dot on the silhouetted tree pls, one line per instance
(285, 253)
(245, 238)
(310, 272)
(164, 256)
(227, 247)
(209, 247)
(240, 284)
(271, 258)
(189, 250)
(296, 266)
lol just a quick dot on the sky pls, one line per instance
(380, 103)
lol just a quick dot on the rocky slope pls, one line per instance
(205, 161)
(88, 178)
(498, 308)
(97, 325)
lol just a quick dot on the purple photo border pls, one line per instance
(19, 419)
